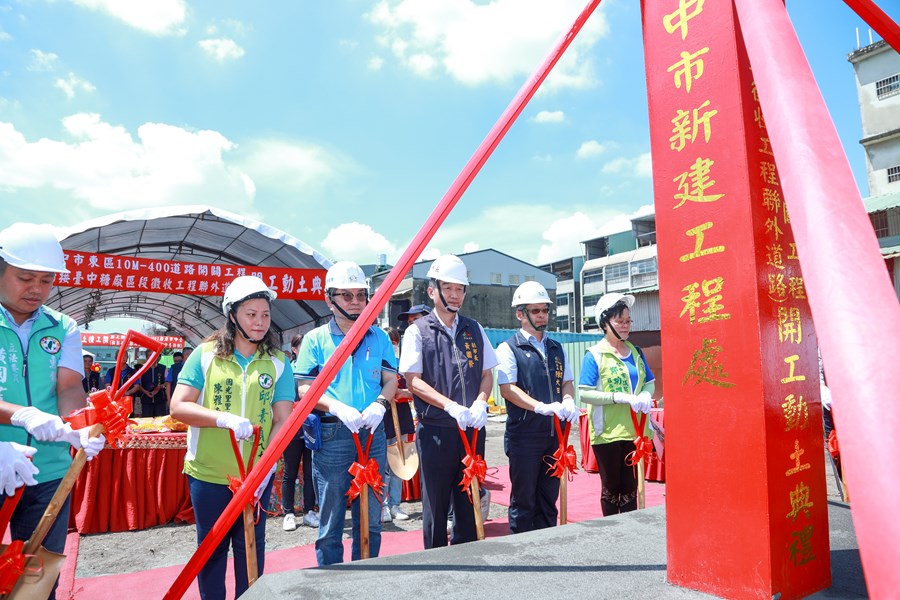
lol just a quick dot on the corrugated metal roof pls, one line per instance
(644, 290)
(883, 202)
(890, 251)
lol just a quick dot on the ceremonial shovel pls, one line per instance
(402, 456)
(106, 415)
(249, 517)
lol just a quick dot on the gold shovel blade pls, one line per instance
(38, 586)
(405, 465)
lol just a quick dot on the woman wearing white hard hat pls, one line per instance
(354, 403)
(237, 378)
(614, 381)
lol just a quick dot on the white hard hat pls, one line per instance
(607, 301)
(530, 292)
(449, 268)
(33, 248)
(243, 288)
(346, 275)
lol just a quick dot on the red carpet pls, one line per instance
(583, 504)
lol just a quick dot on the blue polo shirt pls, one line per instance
(358, 382)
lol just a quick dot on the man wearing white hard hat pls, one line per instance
(237, 379)
(615, 380)
(354, 403)
(537, 383)
(49, 342)
(447, 361)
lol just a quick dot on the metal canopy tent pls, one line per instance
(195, 234)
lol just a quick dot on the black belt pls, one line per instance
(325, 418)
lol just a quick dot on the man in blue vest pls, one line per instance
(41, 369)
(536, 381)
(447, 361)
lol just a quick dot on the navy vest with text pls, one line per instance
(542, 380)
(452, 367)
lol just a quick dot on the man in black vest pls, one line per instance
(447, 361)
(537, 383)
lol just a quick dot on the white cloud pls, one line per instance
(564, 236)
(471, 247)
(550, 116)
(106, 167)
(375, 63)
(639, 166)
(43, 61)
(221, 49)
(71, 84)
(461, 36)
(590, 149)
(357, 242)
(4, 37)
(292, 166)
(158, 17)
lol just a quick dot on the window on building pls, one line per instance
(496, 278)
(514, 279)
(593, 277)
(562, 300)
(529, 278)
(893, 174)
(562, 323)
(617, 272)
(879, 223)
(643, 266)
(888, 86)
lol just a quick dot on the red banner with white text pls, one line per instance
(130, 273)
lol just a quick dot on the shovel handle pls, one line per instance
(250, 544)
(364, 522)
(641, 503)
(476, 505)
(397, 433)
(563, 499)
(59, 498)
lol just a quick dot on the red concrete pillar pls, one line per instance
(745, 488)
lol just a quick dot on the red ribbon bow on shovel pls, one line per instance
(235, 483)
(476, 468)
(564, 459)
(365, 471)
(12, 560)
(643, 447)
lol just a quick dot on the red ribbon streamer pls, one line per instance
(12, 566)
(365, 471)
(643, 447)
(235, 483)
(476, 467)
(564, 460)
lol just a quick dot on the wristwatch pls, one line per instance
(383, 402)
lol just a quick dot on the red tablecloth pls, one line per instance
(136, 487)
(654, 467)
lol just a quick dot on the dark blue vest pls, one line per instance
(542, 380)
(451, 367)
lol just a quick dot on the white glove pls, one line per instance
(43, 426)
(15, 468)
(262, 486)
(639, 404)
(478, 414)
(349, 416)
(242, 428)
(460, 413)
(826, 396)
(548, 410)
(373, 415)
(80, 438)
(571, 412)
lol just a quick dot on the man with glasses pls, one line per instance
(447, 361)
(537, 383)
(355, 400)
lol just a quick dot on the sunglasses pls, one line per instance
(348, 297)
(539, 311)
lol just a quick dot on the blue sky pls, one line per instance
(343, 122)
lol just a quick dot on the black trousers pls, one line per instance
(441, 452)
(532, 504)
(619, 494)
(295, 454)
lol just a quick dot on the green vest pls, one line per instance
(35, 386)
(612, 422)
(229, 388)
